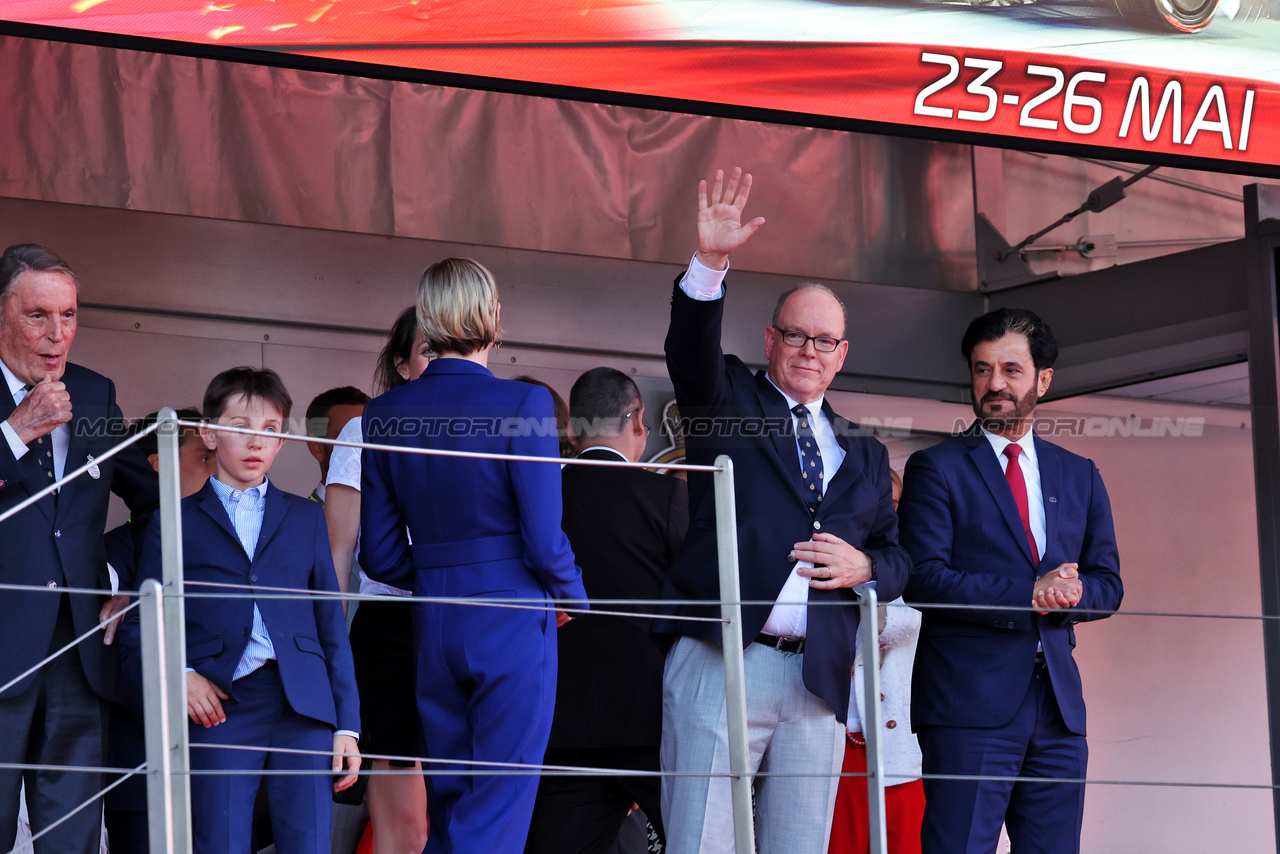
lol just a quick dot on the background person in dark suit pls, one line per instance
(625, 526)
(997, 516)
(56, 417)
(815, 519)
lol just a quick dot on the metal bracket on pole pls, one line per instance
(735, 690)
(869, 635)
(169, 435)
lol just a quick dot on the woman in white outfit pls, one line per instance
(904, 793)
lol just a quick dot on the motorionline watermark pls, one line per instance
(1108, 427)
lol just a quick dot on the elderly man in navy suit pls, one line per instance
(815, 520)
(57, 417)
(1019, 531)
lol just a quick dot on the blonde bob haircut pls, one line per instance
(458, 307)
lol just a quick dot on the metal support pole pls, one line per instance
(735, 687)
(175, 629)
(869, 634)
(155, 703)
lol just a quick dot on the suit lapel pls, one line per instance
(273, 513)
(77, 455)
(1050, 486)
(989, 467)
(786, 455)
(212, 506)
(846, 476)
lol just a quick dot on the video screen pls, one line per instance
(1195, 78)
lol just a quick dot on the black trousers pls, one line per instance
(582, 815)
(57, 720)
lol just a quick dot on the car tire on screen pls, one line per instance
(1182, 16)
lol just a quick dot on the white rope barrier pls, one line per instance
(67, 478)
(474, 767)
(51, 656)
(88, 803)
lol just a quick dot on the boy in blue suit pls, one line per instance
(269, 673)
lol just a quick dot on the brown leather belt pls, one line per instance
(782, 644)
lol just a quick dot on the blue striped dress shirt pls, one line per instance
(246, 510)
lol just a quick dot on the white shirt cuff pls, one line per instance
(354, 735)
(115, 579)
(18, 446)
(702, 283)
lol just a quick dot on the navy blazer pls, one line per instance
(59, 544)
(309, 636)
(730, 411)
(510, 510)
(962, 528)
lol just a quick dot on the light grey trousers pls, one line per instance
(790, 732)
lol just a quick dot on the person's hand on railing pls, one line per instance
(562, 618)
(46, 406)
(346, 756)
(204, 701)
(1057, 588)
(110, 611)
(837, 564)
(720, 228)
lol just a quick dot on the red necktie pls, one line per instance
(1018, 486)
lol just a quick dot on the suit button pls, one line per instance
(52, 584)
(1009, 625)
(1, 484)
(253, 578)
(891, 725)
(817, 526)
(57, 534)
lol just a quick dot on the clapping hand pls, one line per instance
(720, 228)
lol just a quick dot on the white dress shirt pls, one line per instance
(344, 469)
(789, 617)
(1030, 474)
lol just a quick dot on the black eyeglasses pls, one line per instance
(821, 343)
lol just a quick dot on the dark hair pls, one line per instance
(562, 416)
(397, 350)
(600, 399)
(262, 383)
(1012, 321)
(150, 443)
(318, 412)
(23, 257)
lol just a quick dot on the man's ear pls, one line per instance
(154, 459)
(316, 450)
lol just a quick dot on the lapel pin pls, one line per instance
(95, 473)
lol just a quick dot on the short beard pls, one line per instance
(1005, 421)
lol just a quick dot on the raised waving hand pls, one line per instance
(720, 226)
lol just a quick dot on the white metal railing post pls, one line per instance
(735, 690)
(155, 702)
(169, 436)
(869, 635)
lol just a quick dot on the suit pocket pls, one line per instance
(207, 648)
(306, 643)
(495, 594)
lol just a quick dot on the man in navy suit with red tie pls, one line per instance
(997, 519)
